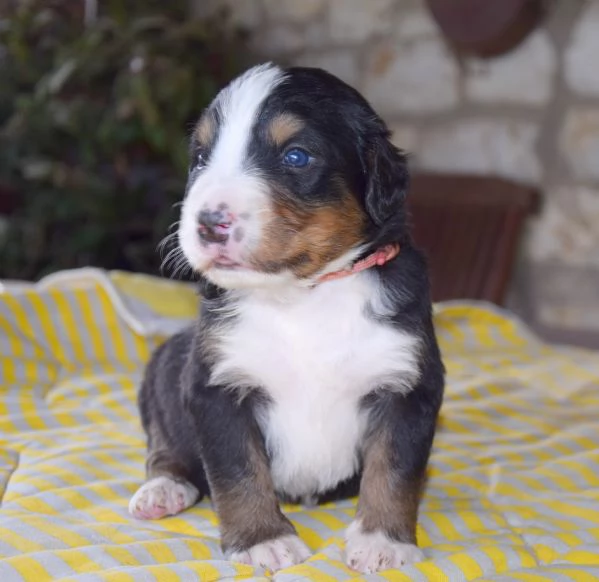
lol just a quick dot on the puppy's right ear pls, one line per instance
(387, 179)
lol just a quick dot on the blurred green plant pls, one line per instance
(94, 120)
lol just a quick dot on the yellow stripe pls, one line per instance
(578, 575)
(30, 569)
(71, 327)
(35, 505)
(90, 323)
(306, 571)
(112, 320)
(585, 557)
(309, 536)
(160, 551)
(24, 326)
(19, 542)
(199, 550)
(432, 571)
(9, 367)
(112, 576)
(64, 534)
(532, 577)
(568, 509)
(445, 526)
(121, 555)
(499, 559)
(467, 564)
(327, 519)
(78, 561)
(50, 339)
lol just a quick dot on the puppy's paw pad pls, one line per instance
(372, 552)
(162, 496)
(274, 554)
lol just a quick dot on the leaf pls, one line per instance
(55, 81)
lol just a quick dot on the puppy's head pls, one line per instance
(292, 176)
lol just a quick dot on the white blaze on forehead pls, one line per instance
(225, 180)
(239, 105)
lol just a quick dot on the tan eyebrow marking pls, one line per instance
(283, 127)
(205, 130)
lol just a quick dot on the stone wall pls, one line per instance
(531, 115)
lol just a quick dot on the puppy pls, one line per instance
(313, 371)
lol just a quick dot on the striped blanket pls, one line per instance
(513, 492)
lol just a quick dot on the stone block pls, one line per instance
(500, 147)
(342, 63)
(354, 21)
(565, 297)
(413, 77)
(579, 142)
(568, 228)
(416, 23)
(281, 40)
(582, 53)
(247, 14)
(294, 11)
(523, 76)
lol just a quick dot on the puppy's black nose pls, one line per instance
(214, 226)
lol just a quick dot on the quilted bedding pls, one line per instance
(513, 492)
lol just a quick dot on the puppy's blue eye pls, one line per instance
(296, 158)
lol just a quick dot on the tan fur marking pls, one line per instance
(316, 235)
(386, 502)
(283, 127)
(205, 130)
(249, 513)
(159, 461)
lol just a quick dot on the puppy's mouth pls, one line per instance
(226, 263)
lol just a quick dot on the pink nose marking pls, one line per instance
(214, 225)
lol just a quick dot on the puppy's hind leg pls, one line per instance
(167, 490)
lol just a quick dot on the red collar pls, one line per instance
(379, 258)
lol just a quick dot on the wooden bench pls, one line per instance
(470, 228)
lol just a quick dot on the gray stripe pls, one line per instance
(511, 507)
(316, 525)
(59, 326)
(39, 336)
(431, 528)
(10, 321)
(9, 574)
(29, 532)
(54, 565)
(6, 550)
(414, 574)
(141, 574)
(325, 567)
(108, 334)
(84, 333)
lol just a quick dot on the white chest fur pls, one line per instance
(315, 354)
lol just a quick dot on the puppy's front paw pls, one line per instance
(274, 555)
(371, 552)
(162, 496)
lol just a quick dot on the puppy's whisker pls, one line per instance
(181, 269)
(165, 241)
(172, 257)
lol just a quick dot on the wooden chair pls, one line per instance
(470, 228)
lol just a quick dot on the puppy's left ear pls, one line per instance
(387, 180)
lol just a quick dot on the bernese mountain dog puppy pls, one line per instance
(313, 371)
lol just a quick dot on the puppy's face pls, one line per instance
(291, 177)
